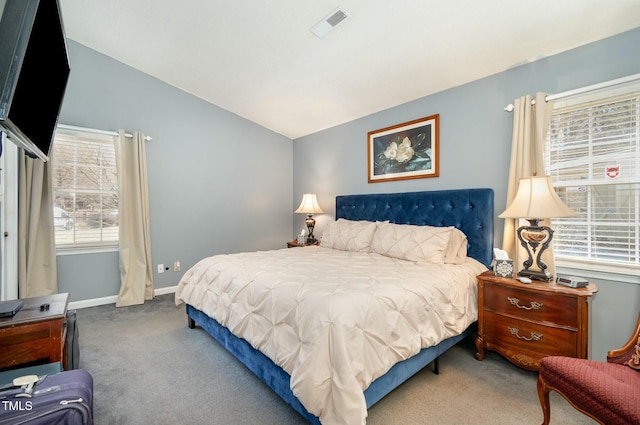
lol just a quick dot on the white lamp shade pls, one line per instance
(536, 198)
(309, 205)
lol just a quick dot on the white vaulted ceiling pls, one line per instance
(260, 60)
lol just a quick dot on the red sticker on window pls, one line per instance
(612, 172)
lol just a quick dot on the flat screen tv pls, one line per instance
(34, 69)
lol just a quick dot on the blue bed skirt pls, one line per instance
(279, 380)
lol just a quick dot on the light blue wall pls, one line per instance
(475, 143)
(218, 183)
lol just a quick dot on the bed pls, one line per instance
(233, 297)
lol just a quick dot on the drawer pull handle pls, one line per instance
(534, 305)
(516, 332)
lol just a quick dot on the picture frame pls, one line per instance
(404, 151)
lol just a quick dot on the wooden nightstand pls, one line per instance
(294, 244)
(525, 322)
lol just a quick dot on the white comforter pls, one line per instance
(334, 320)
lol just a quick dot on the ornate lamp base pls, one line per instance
(531, 237)
(542, 275)
(311, 223)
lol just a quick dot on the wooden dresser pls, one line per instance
(36, 334)
(525, 322)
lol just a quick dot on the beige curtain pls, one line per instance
(136, 276)
(530, 127)
(37, 269)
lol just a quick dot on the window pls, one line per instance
(593, 158)
(85, 190)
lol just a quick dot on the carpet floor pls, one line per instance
(150, 368)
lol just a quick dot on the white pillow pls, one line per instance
(456, 252)
(349, 235)
(413, 243)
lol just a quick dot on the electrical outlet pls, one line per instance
(176, 266)
(160, 268)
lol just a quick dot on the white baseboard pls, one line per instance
(75, 305)
(165, 290)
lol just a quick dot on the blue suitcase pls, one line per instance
(64, 398)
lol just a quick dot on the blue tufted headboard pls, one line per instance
(470, 210)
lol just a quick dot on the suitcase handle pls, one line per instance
(26, 382)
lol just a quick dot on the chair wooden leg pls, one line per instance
(543, 395)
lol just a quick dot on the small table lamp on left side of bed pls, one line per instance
(309, 206)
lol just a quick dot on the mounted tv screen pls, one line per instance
(34, 69)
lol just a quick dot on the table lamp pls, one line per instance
(536, 200)
(309, 206)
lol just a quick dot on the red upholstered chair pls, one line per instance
(609, 392)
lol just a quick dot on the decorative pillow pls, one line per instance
(456, 252)
(349, 235)
(413, 243)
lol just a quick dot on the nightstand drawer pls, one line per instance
(531, 305)
(518, 335)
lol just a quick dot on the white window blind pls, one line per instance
(593, 158)
(85, 187)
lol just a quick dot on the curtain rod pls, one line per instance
(93, 130)
(594, 87)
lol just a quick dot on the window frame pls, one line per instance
(91, 137)
(624, 272)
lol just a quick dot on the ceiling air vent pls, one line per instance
(329, 23)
